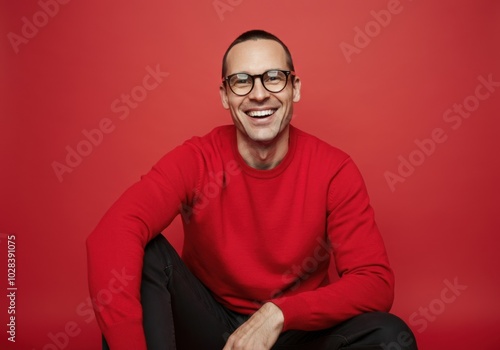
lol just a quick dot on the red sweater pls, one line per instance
(251, 235)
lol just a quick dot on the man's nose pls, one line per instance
(259, 92)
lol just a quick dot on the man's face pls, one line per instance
(261, 115)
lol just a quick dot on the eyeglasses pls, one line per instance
(273, 81)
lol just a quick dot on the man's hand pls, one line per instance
(259, 332)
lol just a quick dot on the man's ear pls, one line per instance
(296, 88)
(223, 96)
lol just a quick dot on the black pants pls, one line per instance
(179, 312)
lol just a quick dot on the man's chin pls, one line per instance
(262, 136)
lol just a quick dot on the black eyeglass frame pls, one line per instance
(260, 76)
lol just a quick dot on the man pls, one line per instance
(264, 207)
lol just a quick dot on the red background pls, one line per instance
(440, 224)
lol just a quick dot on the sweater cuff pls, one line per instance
(126, 336)
(295, 312)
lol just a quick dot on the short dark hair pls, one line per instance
(257, 34)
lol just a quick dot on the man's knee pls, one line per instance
(394, 332)
(158, 254)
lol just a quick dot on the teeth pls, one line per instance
(260, 113)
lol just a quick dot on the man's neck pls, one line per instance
(264, 155)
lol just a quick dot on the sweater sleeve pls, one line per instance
(366, 280)
(115, 248)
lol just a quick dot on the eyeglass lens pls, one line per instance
(242, 83)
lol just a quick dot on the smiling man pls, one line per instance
(265, 207)
(261, 106)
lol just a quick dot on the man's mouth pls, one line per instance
(261, 114)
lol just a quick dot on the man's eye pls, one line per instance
(242, 81)
(273, 77)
